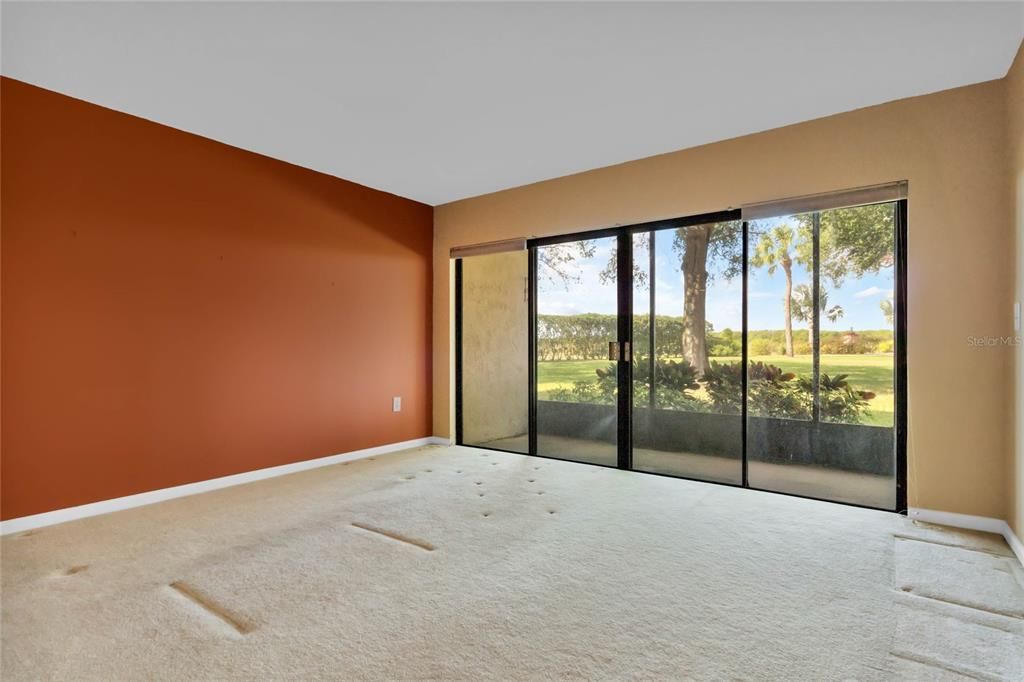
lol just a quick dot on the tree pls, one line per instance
(697, 245)
(774, 250)
(887, 310)
(696, 240)
(803, 308)
(555, 262)
(854, 241)
(611, 271)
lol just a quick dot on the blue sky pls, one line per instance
(858, 297)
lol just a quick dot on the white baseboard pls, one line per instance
(982, 523)
(50, 518)
(1015, 544)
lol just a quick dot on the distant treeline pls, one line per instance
(585, 337)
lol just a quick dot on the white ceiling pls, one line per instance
(438, 102)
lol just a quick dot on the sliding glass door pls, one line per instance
(687, 327)
(578, 350)
(822, 331)
(760, 348)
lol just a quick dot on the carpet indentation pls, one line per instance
(956, 602)
(241, 624)
(950, 574)
(398, 537)
(939, 665)
(953, 639)
(78, 568)
(941, 543)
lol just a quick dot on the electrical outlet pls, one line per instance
(396, 404)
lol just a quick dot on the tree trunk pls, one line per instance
(695, 287)
(810, 332)
(787, 267)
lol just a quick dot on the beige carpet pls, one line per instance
(469, 564)
(809, 481)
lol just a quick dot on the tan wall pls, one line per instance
(494, 316)
(949, 145)
(1015, 131)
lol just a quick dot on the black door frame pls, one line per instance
(624, 280)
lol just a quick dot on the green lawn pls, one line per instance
(866, 373)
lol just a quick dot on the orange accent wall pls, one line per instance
(175, 309)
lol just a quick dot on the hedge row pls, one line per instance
(585, 337)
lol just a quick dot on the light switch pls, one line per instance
(396, 404)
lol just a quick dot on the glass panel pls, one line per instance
(495, 351)
(836, 442)
(857, 321)
(689, 424)
(577, 416)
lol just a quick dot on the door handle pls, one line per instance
(619, 352)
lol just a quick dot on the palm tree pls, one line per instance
(773, 251)
(803, 308)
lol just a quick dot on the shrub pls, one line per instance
(724, 343)
(764, 346)
(582, 392)
(673, 381)
(724, 385)
(838, 402)
(772, 392)
(801, 348)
